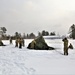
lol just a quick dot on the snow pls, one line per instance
(15, 61)
(52, 37)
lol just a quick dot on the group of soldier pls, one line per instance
(19, 42)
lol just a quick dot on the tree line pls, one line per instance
(72, 31)
(24, 36)
(32, 35)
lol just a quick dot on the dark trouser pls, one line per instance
(16, 45)
(20, 45)
(65, 51)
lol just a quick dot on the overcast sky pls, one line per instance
(26, 16)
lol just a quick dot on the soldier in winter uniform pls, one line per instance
(20, 43)
(16, 43)
(23, 44)
(65, 46)
(10, 40)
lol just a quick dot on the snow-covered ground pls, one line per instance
(15, 61)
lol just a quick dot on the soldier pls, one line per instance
(23, 44)
(65, 46)
(10, 40)
(20, 43)
(16, 42)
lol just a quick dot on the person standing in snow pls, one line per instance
(10, 40)
(65, 46)
(16, 42)
(20, 43)
(23, 43)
